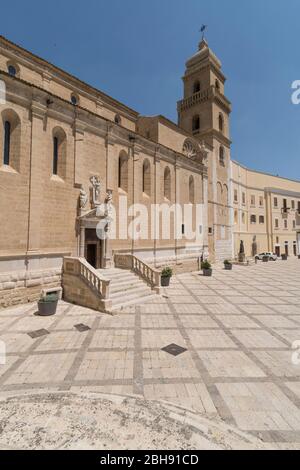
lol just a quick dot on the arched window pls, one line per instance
(191, 190)
(217, 85)
(146, 178)
(6, 149)
(59, 159)
(261, 219)
(12, 70)
(196, 86)
(167, 183)
(221, 122)
(123, 171)
(10, 139)
(196, 123)
(55, 155)
(222, 156)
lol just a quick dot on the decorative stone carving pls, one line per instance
(189, 149)
(96, 189)
(109, 203)
(83, 199)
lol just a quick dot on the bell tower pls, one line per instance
(204, 113)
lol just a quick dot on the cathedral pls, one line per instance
(88, 184)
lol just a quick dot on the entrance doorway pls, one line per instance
(277, 251)
(93, 252)
(286, 249)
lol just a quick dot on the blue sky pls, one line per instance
(135, 50)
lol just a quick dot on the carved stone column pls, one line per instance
(82, 241)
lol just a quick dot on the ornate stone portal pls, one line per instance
(94, 226)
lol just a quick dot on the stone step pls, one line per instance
(124, 304)
(128, 294)
(123, 285)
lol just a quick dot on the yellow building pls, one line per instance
(266, 212)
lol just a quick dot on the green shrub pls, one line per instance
(167, 272)
(49, 298)
(227, 261)
(206, 265)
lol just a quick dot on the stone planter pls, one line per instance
(265, 259)
(47, 308)
(284, 257)
(165, 281)
(207, 272)
(298, 256)
(228, 267)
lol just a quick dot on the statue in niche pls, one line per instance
(83, 199)
(96, 190)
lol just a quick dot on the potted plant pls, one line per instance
(47, 305)
(227, 265)
(206, 268)
(166, 275)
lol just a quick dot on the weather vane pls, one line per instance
(202, 30)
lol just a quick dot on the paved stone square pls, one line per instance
(238, 328)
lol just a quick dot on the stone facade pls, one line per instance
(71, 153)
(266, 212)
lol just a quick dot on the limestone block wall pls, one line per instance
(22, 287)
(76, 291)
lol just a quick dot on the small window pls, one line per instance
(276, 223)
(217, 84)
(275, 202)
(252, 200)
(74, 99)
(244, 198)
(196, 123)
(222, 156)
(285, 224)
(253, 219)
(182, 229)
(261, 201)
(235, 195)
(12, 70)
(243, 218)
(293, 204)
(261, 219)
(294, 223)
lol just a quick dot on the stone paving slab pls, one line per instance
(237, 327)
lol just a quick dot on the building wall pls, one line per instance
(256, 214)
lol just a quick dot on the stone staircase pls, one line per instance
(126, 288)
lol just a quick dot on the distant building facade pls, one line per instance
(69, 153)
(266, 212)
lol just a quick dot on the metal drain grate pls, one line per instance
(174, 349)
(81, 327)
(38, 333)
